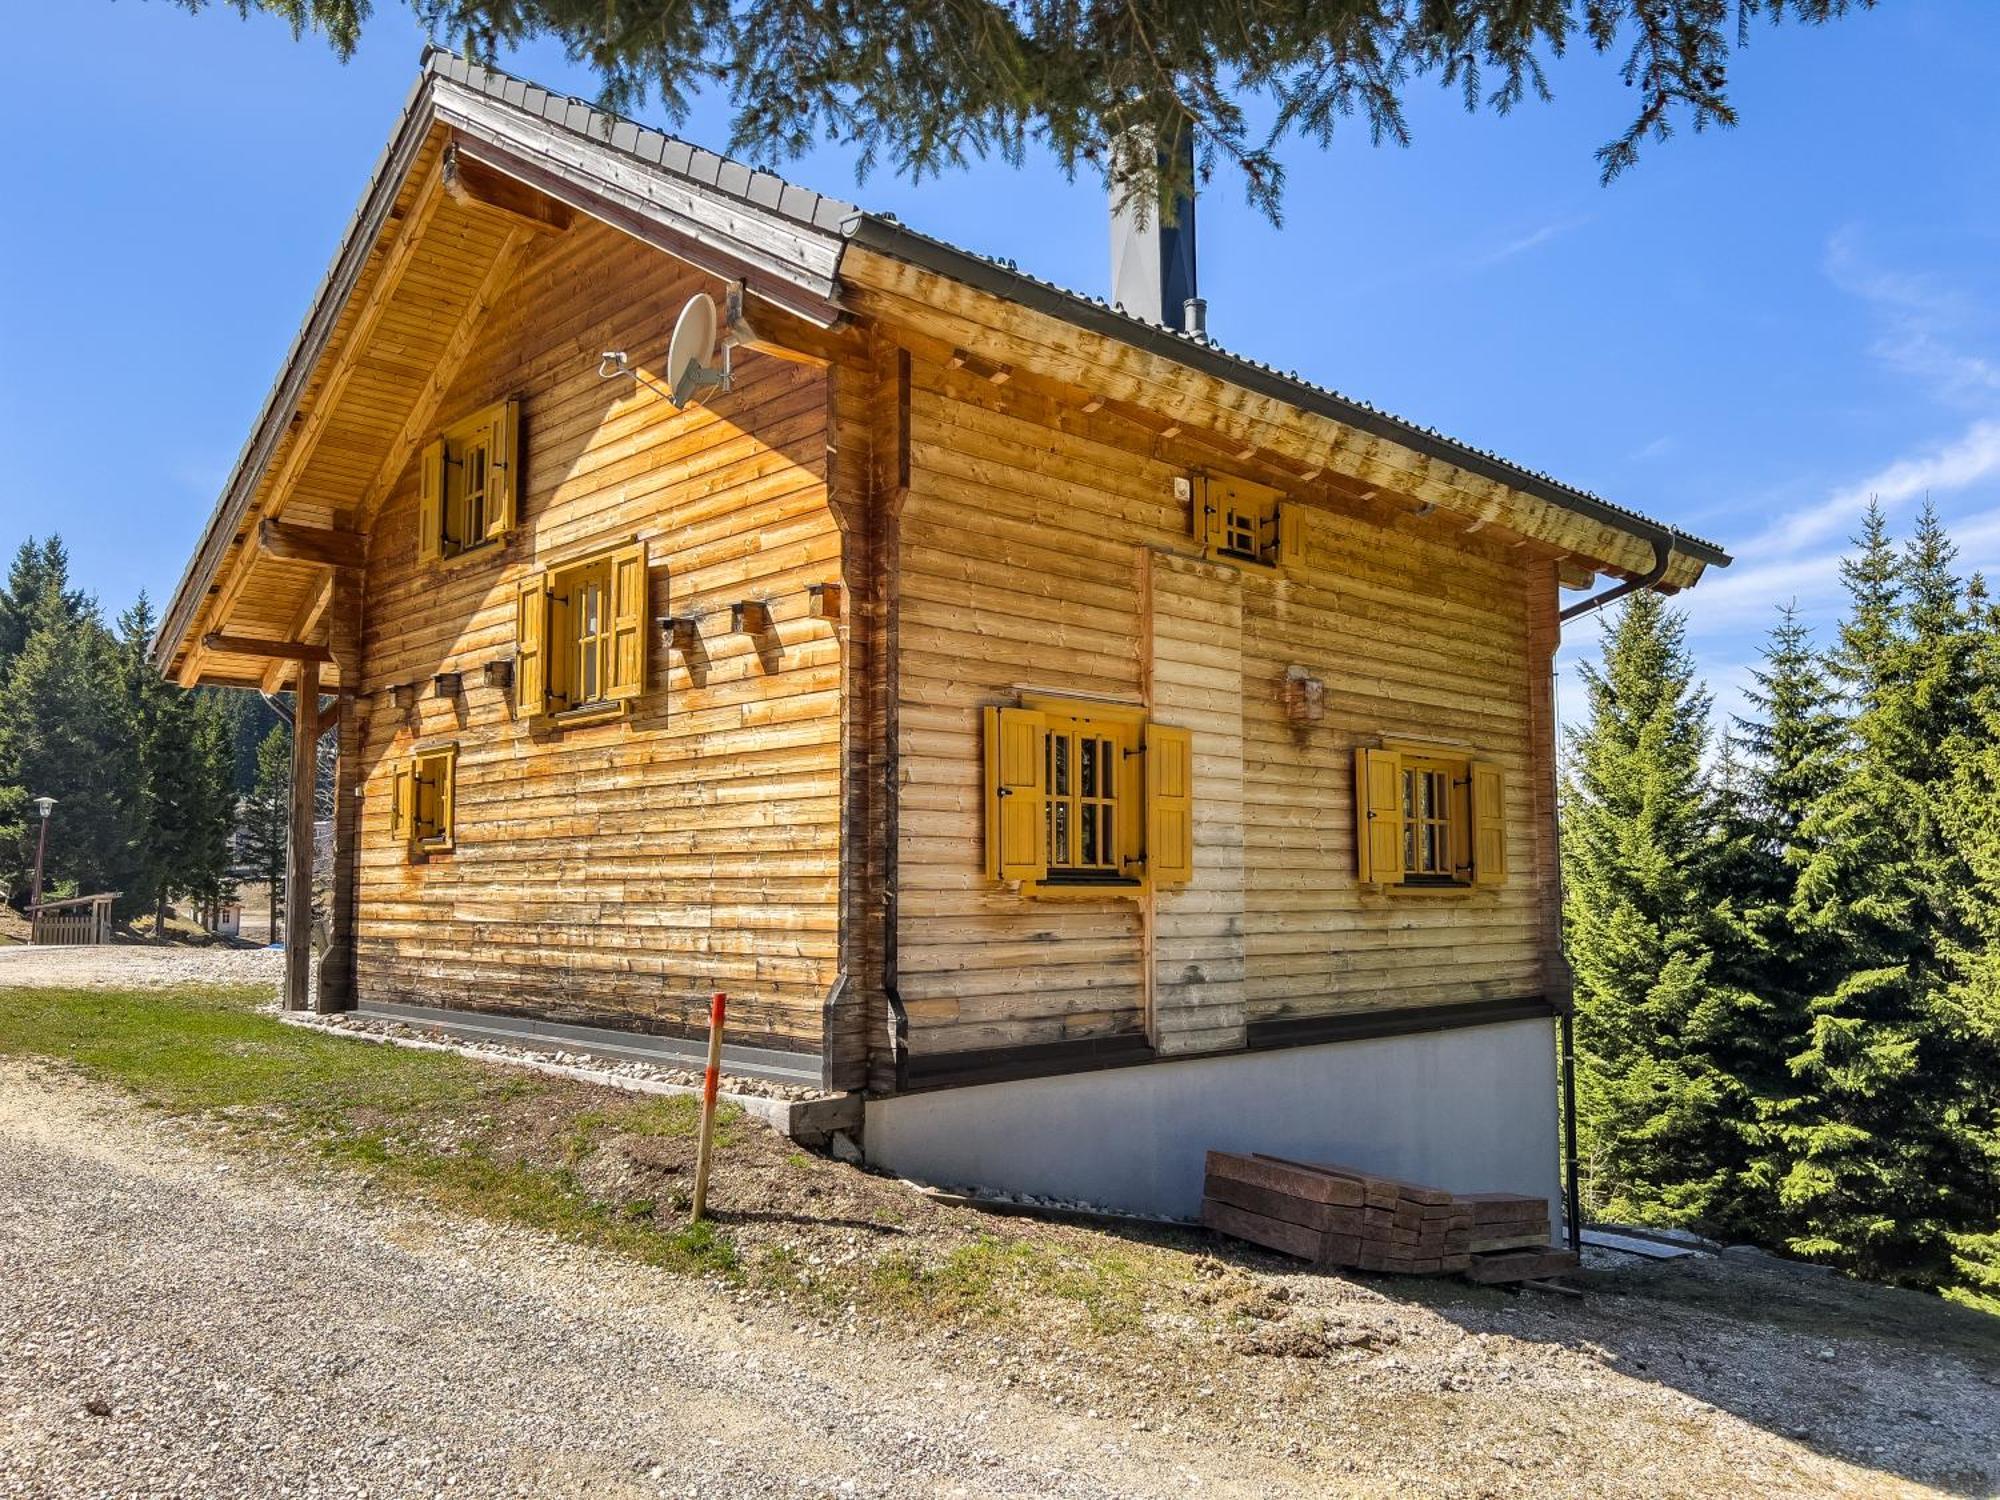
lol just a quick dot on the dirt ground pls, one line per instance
(182, 1314)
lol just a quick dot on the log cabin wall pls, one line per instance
(616, 873)
(1042, 546)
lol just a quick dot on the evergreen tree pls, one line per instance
(1793, 744)
(63, 734)
(267, 815)
(183, 818)
(926, 87)
(1875, 1179)
(38, 574)
(1970, 811)
(1657, 1113)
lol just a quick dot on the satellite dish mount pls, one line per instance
(691, 367)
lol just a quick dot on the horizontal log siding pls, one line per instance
(619, 872)
(1022, 541)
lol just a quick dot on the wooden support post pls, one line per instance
(705, 1148)
(299, 857)
(337, 980)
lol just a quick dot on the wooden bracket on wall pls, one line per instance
(750, 617)
(826, 599)
(498, 674)
(404, 695)
(313, 544)
(447, 684)
(978, 364)
(681, 632)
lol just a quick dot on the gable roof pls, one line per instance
(787, 243)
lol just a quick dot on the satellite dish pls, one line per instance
(691, 367)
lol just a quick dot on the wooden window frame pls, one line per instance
(1473, 827)
(1224, 511)
(549, 646)
(426, 826)
(487, 441)
(1149, 804)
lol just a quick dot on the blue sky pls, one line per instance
(1746, 336)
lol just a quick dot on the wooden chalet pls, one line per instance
(1085, 745)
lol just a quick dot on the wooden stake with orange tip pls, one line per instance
(705, 1151)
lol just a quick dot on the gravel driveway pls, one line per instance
(174, 1323)
(140, 966)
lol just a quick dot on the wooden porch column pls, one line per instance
(299, 861)
(336, 971)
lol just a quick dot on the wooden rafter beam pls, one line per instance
(475, 185)
(309, 425)
(245, 645)
(313, 544)
(423, 415)
(304, 627)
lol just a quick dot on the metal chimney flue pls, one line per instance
(1153, 261)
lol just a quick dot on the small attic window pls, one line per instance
(1237, 520)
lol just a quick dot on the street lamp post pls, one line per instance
(44, 806)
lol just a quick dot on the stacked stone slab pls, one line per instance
(1340, 1216)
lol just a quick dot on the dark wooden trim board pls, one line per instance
(1356, 1026)
(944, 1070)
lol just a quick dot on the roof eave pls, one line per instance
(890, 237)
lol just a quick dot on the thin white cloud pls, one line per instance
(1924, 322)
(1659, 447)
(1961, 462)
(1534, 239)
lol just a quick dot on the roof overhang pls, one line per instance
(1328, 430)
(814, 257)
(782, 242)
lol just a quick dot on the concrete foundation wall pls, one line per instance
(1467, 1110)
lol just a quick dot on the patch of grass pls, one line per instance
(993, 1279)
(433, 1125)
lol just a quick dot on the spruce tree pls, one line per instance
(267, 814)
(63, 733)
(1970, 813)
(1875, 1179)
(1657, 1113)
(37, 581)
(1793, 744)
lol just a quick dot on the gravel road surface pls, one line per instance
(173, 1322)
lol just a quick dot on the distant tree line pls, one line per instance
(147, 776)
(1786, 935)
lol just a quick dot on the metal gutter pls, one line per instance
(1663, 554)
(890, 237)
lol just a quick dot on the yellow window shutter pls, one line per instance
(1169, 805)
(403, 802)
(531, 645)
(1016, 813)
(1291, 535)
(1378, 809)
(1201, 514)
(503, 450)
(1489, 823)
(628, 624)
(447, 797)
(430, 502)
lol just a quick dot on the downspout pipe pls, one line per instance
(1663, 554)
